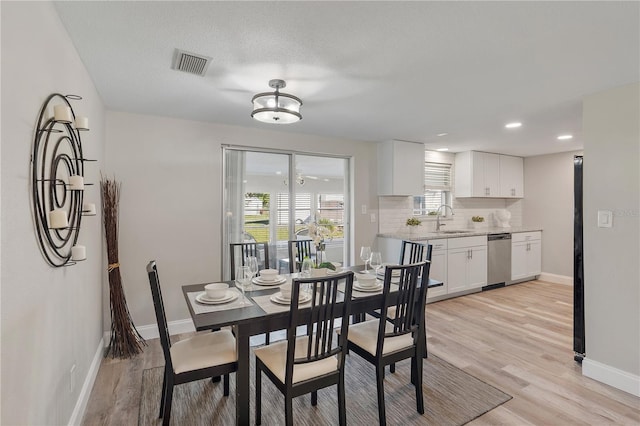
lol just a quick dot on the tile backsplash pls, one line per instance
(394, 212)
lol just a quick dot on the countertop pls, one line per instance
(446, 233)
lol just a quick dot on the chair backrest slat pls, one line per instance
(413, 252)
(239, 252)
(326, 306)
(298, 250)
(161, 317)
(410, 302)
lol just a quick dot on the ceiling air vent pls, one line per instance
(190, 62)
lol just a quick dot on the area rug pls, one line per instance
(451, 397)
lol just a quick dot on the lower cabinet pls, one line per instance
(438, 268)
(526, 259)
(466, 263)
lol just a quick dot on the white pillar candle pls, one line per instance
(62, 113)
(88, 209)
(82, 123)
(58, 219)
(78, 252)
(76, 183)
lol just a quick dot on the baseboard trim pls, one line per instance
(611, 376)
(81, 404)
(554, 278)
(150, 331)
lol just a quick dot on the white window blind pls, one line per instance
(437, 186)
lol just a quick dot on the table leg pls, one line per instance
(242, 377)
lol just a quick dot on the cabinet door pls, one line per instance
(534, 258)
(519, 256)
(511, 177)
(477, 267)
(491, 166)
(457, 269)
(438, 271)
(478, 186)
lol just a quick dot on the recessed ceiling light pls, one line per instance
(442, 134)
(442, 149)
(565, 137)
(278, 172)
(513, 125)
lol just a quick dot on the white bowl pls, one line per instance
(216, 290)
(268, 274)
(365, 280)
(285, 290)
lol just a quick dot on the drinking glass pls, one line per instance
(305, 270)
(243, 279)
(252, 261)
(375, 261)
(365, 254)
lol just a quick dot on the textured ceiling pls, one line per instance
(369, 71)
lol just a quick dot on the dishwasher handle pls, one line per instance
(496, 237)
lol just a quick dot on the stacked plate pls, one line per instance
(367, 283)
(277, 280)
(395, 275)
(281, 300)
(229, 296)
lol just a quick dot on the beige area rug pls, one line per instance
(451, 397)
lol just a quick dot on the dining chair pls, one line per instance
(414, 252)
(385, 341)
(239, 252)
(298, 250)
(199, 357)
(300, 365)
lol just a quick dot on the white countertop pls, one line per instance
(445, 233)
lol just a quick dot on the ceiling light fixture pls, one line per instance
(565, 137)
(442, 134)
(276, 107)
(442, 149)
(513, 125)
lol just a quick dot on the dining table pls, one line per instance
(259, 316)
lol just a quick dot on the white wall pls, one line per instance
(51, 317)
(612, 182)
(548, 202)
(171, 173)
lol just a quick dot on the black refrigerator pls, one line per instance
(578, 265)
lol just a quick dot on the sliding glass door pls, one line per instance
(273, 197)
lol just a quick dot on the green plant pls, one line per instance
(432, 213)
(412, 221)
(327, 265)
(477, 219)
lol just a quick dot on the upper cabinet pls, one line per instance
(482, 174)
(400, 168)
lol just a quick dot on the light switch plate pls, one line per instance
(373, 217)
(605, 218)
(364, 209)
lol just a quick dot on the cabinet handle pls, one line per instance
(471, 252)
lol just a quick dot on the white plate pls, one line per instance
(377, 287)
(279, 280)
(277, 298)
(230, 297)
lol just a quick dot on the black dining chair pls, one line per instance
(298, 250)
(385, 341)
(199, 357)
(414, 252)
(239, 252)
(300, 365)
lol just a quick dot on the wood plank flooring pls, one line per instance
(517, 338)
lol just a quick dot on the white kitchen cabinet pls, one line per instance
(400, 168)
(466, 263)
(511, 176)
(438, 268)
(482, 174)
(526, 260)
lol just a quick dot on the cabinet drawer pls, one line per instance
(438, 244)
(454, 243)
(526, 236)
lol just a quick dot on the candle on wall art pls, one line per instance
(62, 114)
(78, 253)
(58, 219)
(88, 209)
(82, 123)
(76, 183)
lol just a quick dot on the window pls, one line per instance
(437, 190)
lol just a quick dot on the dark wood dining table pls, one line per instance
(252, 320)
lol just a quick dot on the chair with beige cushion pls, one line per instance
(200, 357)
(385, 341)
(300, 365)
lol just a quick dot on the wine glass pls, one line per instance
(243, 279)
(365, 254)
(252, 261)
(375, 261)
(305, 270)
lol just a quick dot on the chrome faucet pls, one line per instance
(438, 224)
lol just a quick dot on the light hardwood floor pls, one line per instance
(518, 339)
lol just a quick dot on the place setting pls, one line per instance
(269, 278)
(217, 297)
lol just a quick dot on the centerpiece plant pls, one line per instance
(320, 231)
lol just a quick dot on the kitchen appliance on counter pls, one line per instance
(502, 217)
(498, 260)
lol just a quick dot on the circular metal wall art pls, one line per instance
(57, 180)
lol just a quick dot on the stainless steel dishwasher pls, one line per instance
(499, 260)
